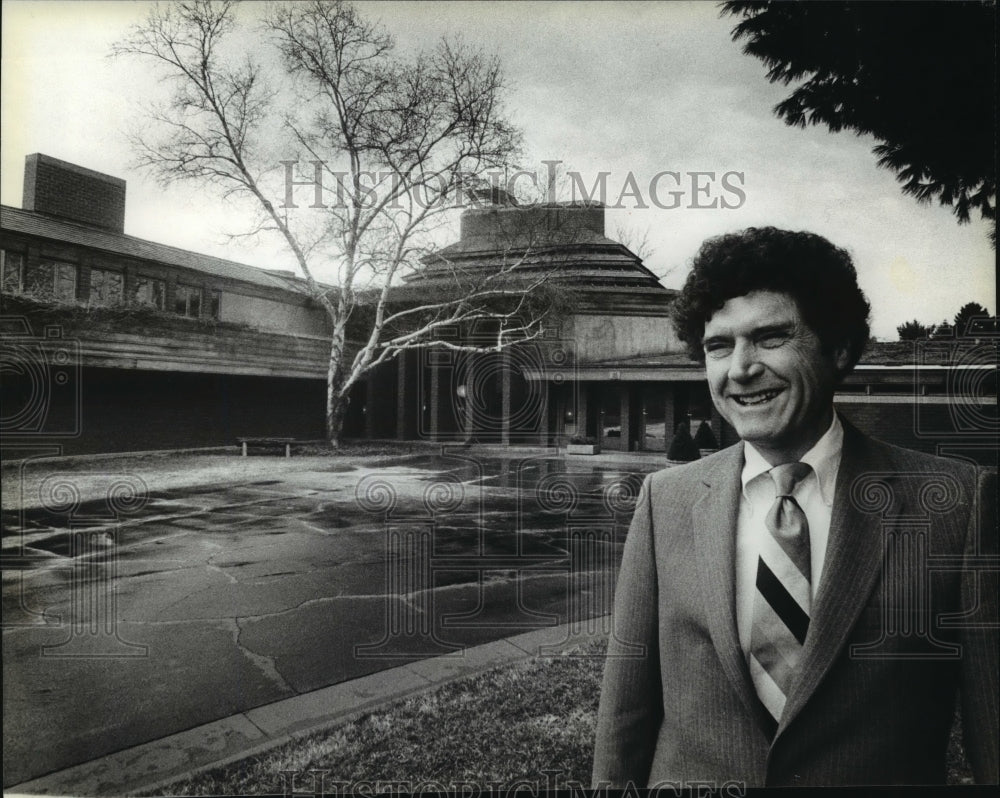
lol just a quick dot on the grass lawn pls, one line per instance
(507, 724)
(532, 722)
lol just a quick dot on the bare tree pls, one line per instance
(635, 239)
(386, 143)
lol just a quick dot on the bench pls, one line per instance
(267, 443)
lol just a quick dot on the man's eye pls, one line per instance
(771, 340)
(717, 349)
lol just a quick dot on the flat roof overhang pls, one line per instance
(696, 373)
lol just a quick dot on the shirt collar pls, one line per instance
(823, 457)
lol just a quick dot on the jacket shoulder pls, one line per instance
(697, 472)
(910, 460)
(915, 473)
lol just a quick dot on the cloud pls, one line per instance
(622, 87)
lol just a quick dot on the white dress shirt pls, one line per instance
(814, 495)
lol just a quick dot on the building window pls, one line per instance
(54, 280)
(12, 269)
(106, 287)
(187, 301)
(150, 292)
(215, 304)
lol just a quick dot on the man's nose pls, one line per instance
(743, 363)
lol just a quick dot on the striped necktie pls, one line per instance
(783, 598)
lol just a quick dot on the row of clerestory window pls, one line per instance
(58, 281)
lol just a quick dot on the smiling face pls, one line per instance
(768, 375)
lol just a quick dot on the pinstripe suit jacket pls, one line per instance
(900, 621)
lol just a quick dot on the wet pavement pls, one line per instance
(143, 613)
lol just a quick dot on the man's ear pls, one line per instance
(841, 358)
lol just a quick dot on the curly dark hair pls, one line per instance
(819, 276)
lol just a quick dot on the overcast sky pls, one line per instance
(623, 88)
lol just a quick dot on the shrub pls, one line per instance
(682, 447)
(704, 438)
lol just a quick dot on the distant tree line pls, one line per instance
(971, 320)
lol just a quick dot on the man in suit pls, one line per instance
(800, 608)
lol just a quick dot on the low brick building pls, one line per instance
(111, 342)
(115, 343)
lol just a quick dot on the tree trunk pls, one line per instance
(336, 404)
(336, 409)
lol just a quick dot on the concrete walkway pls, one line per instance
(247, 564)
(154, 765)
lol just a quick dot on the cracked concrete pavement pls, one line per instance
(200, 602)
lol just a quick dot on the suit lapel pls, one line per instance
(853, 562)
(714, 524)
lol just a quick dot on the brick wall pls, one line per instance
(942, 429)
(116, 410)
(69, 191)
(935, 428)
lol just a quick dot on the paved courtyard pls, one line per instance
(132, 612)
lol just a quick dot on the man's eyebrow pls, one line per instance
(783, 328)
(768, 329)
(717, 338)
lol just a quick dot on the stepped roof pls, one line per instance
(564, 239)
(56, 229)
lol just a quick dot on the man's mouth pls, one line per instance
(755, 398)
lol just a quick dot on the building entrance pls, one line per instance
(610, 421)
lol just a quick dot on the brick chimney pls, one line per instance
(69, 191)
